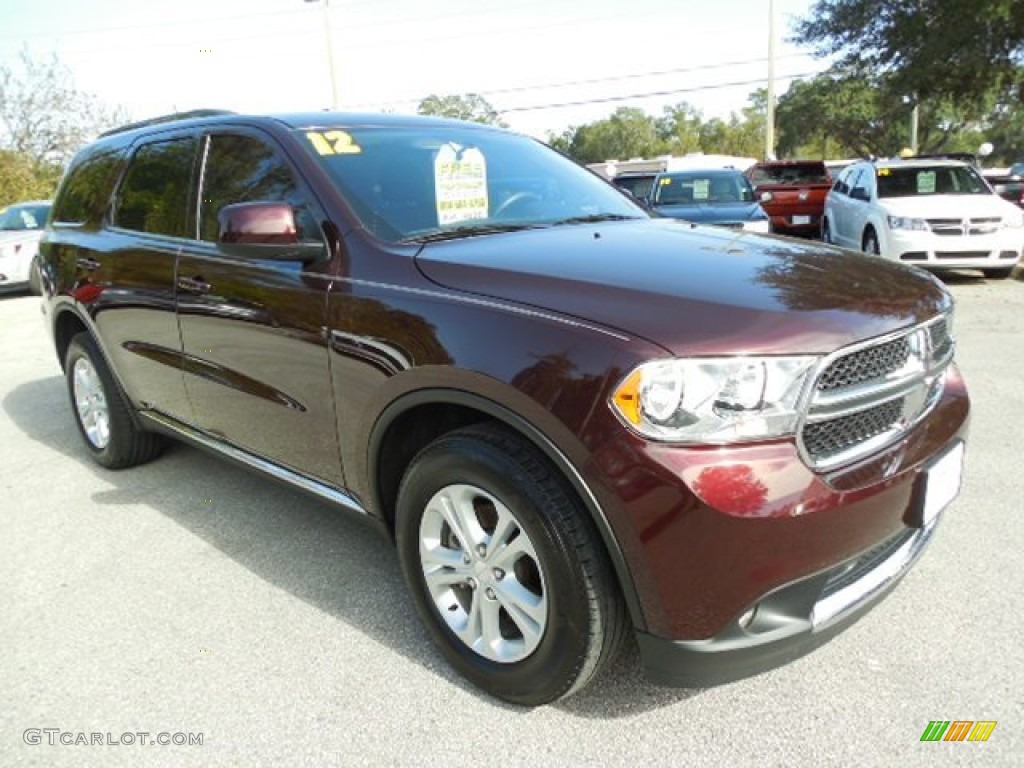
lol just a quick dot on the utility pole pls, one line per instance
(915, 117)
(330, 53)
(769, 127)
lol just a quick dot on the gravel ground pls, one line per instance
(188, 596)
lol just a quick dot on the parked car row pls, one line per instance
(936, 212)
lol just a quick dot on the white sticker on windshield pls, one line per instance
(460, 184)
(700, 188)
(926, 183)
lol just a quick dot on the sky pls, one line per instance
(545, 65)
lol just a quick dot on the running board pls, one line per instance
(160, 423)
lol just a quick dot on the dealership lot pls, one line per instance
(191, 597)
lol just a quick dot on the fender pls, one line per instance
(539, 439)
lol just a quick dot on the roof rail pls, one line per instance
(167, 119)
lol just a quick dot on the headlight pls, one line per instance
(714, 399)
(1014, 221)
(905, 222)
(757, 225)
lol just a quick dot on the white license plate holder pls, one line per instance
(941, 481)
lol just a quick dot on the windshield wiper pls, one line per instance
(468, 231)
(594, 218)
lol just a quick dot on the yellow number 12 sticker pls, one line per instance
(333, 143)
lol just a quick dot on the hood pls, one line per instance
(694, 290)
(948, 206)
(716, 213)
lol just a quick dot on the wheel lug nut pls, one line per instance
(465, 559)
(481, 550)
(499, 574)
(489, 593)
(471, 582)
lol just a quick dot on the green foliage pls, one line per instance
(846, 113)
(21, 179)
(471, 106)
(44, 120)
(934, 49)
(627, 133)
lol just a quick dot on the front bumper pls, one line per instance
(790, 622)
(713, 534)
(998, 250)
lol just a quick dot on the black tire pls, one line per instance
(826, 232)
(585, 617)
(870, 242)
(122, 444)
(35, 283)
(998, 274)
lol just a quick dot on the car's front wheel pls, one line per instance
(505, 568)
(102, 413)
(870, 243)
(826, 232)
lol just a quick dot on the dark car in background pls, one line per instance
(720, 196)
(575, 421)
(639, 184)
(792, 193)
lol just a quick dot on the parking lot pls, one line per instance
(191, 597)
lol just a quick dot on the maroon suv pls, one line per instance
(574, 420)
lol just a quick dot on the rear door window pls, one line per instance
(154, 195)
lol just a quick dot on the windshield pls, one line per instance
(790, 173)
(938, 180)
(702, 188)
(24, 217)
(432, 181)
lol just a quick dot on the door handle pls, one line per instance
(194, 285)
(88, 263)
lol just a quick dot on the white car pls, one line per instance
(936, 214)
(21, 227)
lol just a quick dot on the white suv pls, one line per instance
(937, 214)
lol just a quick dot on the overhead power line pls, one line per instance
(651, 94)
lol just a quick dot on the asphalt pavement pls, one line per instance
(190, 600)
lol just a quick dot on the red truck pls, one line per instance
(792, 193)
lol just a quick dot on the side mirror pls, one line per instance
(263, 231)
(859, 193)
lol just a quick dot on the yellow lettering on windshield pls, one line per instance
(333, 143)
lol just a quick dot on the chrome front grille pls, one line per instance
(984, 225)
(870, 363)
(867, 396)
(829, 437)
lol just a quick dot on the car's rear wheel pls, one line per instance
(870, 242)
(505, 568)
(998, 274)
(101, 411)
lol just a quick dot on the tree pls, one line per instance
(43, 116)
(21, 179)
(629, 132)
(932, 49)
(470, 106)
(847, 113)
